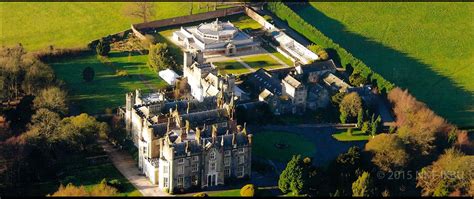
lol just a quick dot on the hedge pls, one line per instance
(314, 35)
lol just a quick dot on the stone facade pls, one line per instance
(188, 144)
(203, 78)
(297, 89)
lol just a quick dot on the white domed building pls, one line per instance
(215, 38)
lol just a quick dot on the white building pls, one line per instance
(295, 49)
(214, 38)
(169, 76)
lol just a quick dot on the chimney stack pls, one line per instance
(250, 138)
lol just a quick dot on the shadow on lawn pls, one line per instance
(439, 92)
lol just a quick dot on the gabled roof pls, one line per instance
(292, 81)
(262, 79)
(319, 66)
(264, 94)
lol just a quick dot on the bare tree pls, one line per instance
(143, 10)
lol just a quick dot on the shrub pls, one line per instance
(103, 189)
(116, 184)
(248, 190)
(166, 190)
(71, 190)
(201, 194)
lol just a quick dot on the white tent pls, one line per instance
(168, 75)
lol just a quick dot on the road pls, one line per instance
(127, 166)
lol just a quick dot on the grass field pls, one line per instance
(266, 145)
(357, 135)
(73, 24)
(107, 90)
(425, 47)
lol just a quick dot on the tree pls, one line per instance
(88, 74)
(37, 76)
(295, 177)
(343, 171)
(53, 99)
(82, 130)
(248, 190)
(363, 186)
(365, 127)
(350, 105)
(418, 126)
(71, 190)
(142, 10)
(159, 57)
(103, 47)
(452, 172)
(388, 150)
(375, 125)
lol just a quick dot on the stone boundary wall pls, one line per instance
(137, 33)
(189, 18)
(258, 18)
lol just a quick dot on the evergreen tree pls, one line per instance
(360, 118)
(295, 177)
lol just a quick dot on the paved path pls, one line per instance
(127, 166)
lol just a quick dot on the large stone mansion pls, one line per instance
(188, 144)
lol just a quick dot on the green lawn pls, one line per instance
(107, 90)
(266, 145)
(262, 61)
(73, 24)
(231, 67)
(278, 55)
(357, 135)
(425, 47)
(88, 176)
